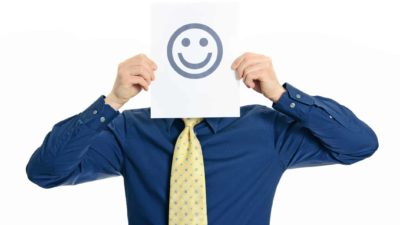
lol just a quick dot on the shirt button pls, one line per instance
(330, 116)
(94, 112)
(102, 119)
(292, 105)
(298, 96)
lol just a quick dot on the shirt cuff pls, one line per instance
(98, 114)
(294, 102)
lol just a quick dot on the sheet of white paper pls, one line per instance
(192, 44)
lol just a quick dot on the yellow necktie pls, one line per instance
(187, 199)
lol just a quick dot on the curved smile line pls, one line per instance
(195, 65)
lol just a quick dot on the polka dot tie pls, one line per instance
(187, 199)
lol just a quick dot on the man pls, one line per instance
(244, 157)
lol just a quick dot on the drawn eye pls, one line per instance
(185, 42)
(203, 42)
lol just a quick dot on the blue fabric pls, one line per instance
(244, 157)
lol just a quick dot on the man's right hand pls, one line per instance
(134, 74)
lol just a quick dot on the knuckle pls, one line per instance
(264, 70)
(139, 58)
(142, 60)
(150, 75)
(144, 83)
(141, 81)
(134, 78)
(146, 74)
(142, 70)
(246, 71)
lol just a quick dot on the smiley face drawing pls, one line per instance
(194, 50)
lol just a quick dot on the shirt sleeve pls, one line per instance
(315, 130)
(81, 148)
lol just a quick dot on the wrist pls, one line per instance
(276, 95)
(113, 101)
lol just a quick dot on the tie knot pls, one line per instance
(191, 122)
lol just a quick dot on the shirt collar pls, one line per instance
(211, 121)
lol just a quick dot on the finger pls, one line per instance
(151, 62)
(140, 81)
(143, 59)
(142, 72)
(248, 82)
(239, 59)
(253, 68)
(257, 87)
(245, 55)
(246, 62)
(250, 78)
(142, 69)
(236, 62)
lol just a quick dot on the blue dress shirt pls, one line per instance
(244, 156)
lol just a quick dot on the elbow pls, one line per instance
(374, 142)
(369, 143)
(37, 178)
(364, 147)
(40, 175)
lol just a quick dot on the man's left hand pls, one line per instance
(257, 73)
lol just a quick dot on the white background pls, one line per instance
(57, 57)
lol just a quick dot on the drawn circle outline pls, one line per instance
(188, 27)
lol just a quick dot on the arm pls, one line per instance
(81, 148)
(308, 130)
(86, 146)
(315, 130)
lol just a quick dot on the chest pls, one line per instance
(235, 151)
